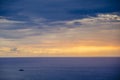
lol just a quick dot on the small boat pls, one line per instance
(21, 69)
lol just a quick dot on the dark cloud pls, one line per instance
(57, 9)
(40, 15)
(14, 49)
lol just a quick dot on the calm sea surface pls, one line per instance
(60, 68)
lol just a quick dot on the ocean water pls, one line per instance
(46, 68)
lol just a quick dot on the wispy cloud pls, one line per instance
(4, 20)
(44, 36)
(58, 26)
(99, 19)
(89, 27)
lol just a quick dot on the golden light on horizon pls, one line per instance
(87, 51)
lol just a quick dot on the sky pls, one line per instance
(59, 28)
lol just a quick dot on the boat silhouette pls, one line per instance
(21, 69)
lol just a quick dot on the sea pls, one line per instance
(60, 68)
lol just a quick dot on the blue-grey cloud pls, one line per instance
(24, 18)
(69, 28)
(57, 10)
